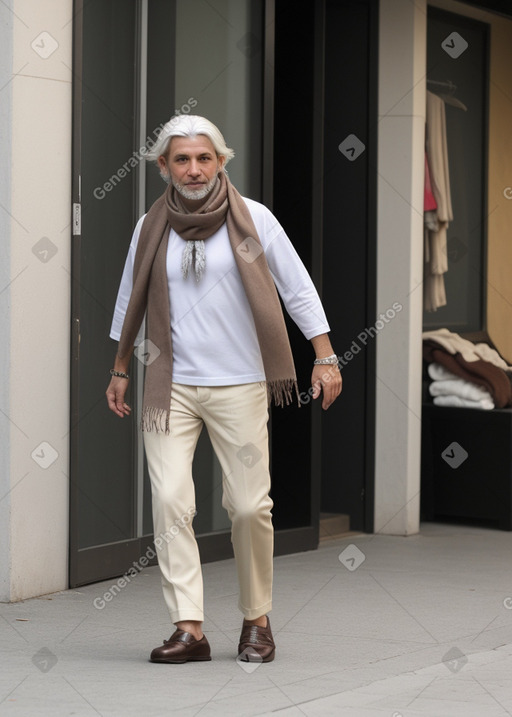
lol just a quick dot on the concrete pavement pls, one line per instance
(366, 625)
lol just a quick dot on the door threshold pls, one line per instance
(334, 525)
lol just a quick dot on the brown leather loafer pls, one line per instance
(256, 643)
(182, 647)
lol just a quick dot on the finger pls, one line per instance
(123, 408)
(317, 388)
(111, 401)
(116, 403)
(115, 408)
(331, 392)
(328, 399)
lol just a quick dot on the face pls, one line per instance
(192, 165)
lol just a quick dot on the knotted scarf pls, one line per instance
(150, 292)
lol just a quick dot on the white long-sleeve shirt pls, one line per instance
(213, 334)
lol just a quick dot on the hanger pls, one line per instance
(447, 97)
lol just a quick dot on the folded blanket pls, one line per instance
(455, 344)
(462, 389)
(440, 373)
(463, 402)
(480, 372)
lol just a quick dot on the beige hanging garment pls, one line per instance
(437, 253)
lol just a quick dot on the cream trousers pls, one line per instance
(236, 419)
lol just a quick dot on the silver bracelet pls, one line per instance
(118, 373)
(333, 359)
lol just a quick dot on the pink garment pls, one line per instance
(429, 201)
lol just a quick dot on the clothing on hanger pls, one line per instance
(436, 254)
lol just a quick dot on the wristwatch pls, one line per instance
(333, 359)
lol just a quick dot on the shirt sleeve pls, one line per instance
(293, 281)
(125, 290)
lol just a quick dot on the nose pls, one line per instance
(193, 168)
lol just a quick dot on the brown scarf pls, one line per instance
(151, 292)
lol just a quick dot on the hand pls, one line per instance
(326, 378)
(115, 396)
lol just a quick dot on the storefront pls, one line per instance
(324, 103)
(468, 56)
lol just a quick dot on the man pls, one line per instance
(203, 265)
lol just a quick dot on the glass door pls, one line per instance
(105, 531)
(216, 73)
(134, 67)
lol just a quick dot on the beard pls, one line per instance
(194, 193)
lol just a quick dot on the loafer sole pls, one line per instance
(180, 662)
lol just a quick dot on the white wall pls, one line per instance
(6, 21)
(402, 92)
(34, 313)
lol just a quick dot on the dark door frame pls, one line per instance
(362, 500)
(300, 129)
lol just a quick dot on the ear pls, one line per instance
(162, 164)
(222, 161)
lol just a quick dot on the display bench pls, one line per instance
(466, 464)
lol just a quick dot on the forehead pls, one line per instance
(191, 145)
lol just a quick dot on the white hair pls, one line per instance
(188, 126)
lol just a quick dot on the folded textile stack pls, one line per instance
(451, 390)
(477, 365)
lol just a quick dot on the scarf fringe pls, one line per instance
(152, 420)
(281, 390)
